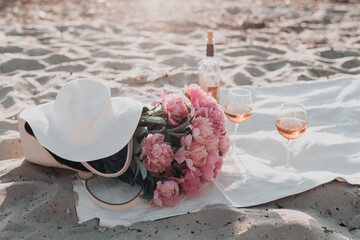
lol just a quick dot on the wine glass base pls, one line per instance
(238, 155)
(237, 151)
(287, 170)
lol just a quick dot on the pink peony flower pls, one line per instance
(191, 182)
(224, 144)
(208, 170)
(215, 116)
(192, 152)
(174, 108)
(155, 103)
(157, 155)
(218, 166)
(198, 97)
(166, 194)
(203, 133)
(211, 168)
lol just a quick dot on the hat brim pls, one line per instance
(127, 113)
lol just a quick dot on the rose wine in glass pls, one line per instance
(291, 123)
(238, 114)
(238, 108)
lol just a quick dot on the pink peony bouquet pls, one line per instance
(179, 146)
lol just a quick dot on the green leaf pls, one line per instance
(153, 120)
(142, 144)
(156, 131)
(140, 131)
(185, 93)
(151, 180)
(142, 168)
(133, 164)
(149, 187)
(156, 113)
(145, 110)
(167, 136)
(136, 146)
(188, 108)
(137, 158)
(136, 174)
(178, 135)
(147, 196)
(181, 127)
(126, 178)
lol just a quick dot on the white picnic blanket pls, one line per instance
(329, 149)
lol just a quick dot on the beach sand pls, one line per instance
(138, 47)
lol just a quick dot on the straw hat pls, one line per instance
(84, 123)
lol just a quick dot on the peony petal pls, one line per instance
(180, 155)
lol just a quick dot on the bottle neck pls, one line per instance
(209, 50)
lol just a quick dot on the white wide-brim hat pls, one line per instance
(84, 123)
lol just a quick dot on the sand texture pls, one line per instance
(138, 47)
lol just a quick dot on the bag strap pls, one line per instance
(117, 174)
(111, 206)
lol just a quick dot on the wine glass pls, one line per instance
(291, 123)
(238, 108)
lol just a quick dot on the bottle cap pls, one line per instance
(210, 44)
(210, 37)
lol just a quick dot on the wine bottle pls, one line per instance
(209, 70)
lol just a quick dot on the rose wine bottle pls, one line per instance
(209, 70)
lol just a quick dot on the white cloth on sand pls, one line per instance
(329, 149)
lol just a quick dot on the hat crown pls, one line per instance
(83, 106)
(84, 123)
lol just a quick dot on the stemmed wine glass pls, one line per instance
(238, 108)
(291, 123)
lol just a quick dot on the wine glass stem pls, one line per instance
(235, 131)
(288, 154)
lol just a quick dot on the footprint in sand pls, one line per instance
(254, 71)
(233, 10)
(332, 54)
(354, 63)
(246, 53)
(298, 64)
(62, 28)
(38, 52)
(56, 59)
(274, 65)
(45, 79)
(320, 72)
(303, 77)
(115, 43)
(180, 61)
(8, 102)
(20, 64)
(4, 91)
(117, 65)
(268, 49)
(242, 79)
(69, 68)
(167, 52)
(103, 54)
(10, 49)
(148, 45)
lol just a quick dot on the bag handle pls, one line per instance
(117, 174)
(111, 206)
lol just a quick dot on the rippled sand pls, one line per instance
(137, 48)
